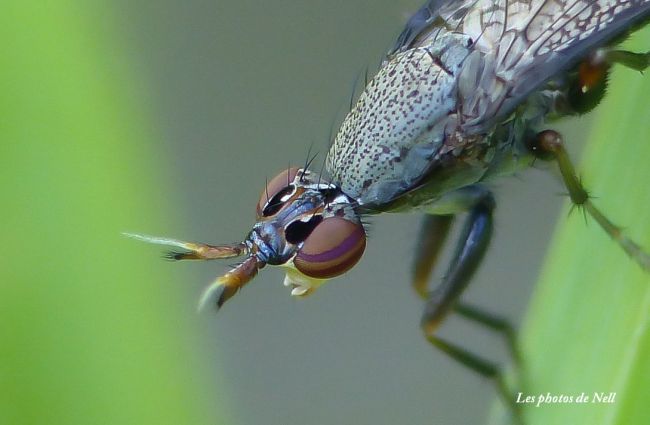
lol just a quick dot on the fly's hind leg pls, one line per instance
(548, 145)
(635, 61)
(444, 299)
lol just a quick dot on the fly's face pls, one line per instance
(306, 226)
(289, 209)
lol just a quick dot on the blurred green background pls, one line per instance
(165, 118)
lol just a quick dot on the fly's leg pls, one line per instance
(441, 301)
(636, 61)
(484, 368)
(495, 323)
(433, 233)
(548, 145)
(474, 242)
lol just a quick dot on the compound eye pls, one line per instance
(279, 183)
(332, 248)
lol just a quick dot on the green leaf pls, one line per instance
(88, 332)
(587, 329)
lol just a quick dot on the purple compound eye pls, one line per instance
(332, 248)
(279, 183)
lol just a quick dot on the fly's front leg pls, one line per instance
(473, 243)
(433, 233)
(443, 300)
(548, 145)
(495, 323)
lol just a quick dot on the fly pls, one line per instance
(464, 96)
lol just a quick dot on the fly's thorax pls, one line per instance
(389, 139)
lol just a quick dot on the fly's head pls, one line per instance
(307, 226)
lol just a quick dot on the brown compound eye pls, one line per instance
(278, 184)
(331, 249)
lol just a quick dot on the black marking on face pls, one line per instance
(275, 204)
(329, 194)
(299, 230)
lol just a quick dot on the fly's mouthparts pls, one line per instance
(226, 286)
(223, 288)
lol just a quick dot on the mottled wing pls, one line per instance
(526, 42)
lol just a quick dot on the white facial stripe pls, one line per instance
(288, 196)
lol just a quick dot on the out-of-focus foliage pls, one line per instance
(88, 333)
(588, 328)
